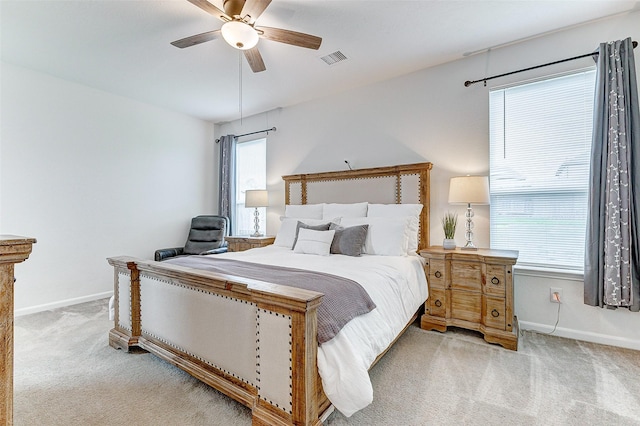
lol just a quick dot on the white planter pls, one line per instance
(449, 244)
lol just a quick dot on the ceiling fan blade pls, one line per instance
(255, 59)
(196, 39)
(209, 8)
(290, 37)
(254, 8)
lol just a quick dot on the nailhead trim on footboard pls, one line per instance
(283, 402)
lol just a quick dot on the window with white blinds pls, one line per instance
(251, 173)
(540, 144)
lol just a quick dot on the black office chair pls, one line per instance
(206, 236)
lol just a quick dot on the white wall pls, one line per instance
(430, 116)
(92, 175)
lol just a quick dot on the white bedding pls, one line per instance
(397, 285)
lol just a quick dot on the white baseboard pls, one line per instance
(586, 336)
(62, 303)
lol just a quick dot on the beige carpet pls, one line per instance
(66, 374)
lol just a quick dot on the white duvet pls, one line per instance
(396, 284)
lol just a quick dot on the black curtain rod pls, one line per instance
(469, 83)
(273, 129)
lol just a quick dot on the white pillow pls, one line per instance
(305, 211)
(387, 236)
(287, 232)
(401, 210)
(344, 210)
(314, 242)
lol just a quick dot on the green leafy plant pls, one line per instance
(449, 223)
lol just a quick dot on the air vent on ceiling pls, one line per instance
(334, 57)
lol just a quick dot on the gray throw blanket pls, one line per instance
(344, 299)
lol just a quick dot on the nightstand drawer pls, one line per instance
(436, 303)
(494, 316)
(239, 246)
(495, 280)
(466, 305)
(437, 273)
(466, 276)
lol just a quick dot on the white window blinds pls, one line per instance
(251, 173)
(540, 142)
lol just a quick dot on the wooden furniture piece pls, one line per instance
(13, 249)
(473, 290)
(246, 243)
(254, 341)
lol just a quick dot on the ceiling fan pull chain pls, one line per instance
(240, 84)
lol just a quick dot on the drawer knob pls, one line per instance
(438, 303)
(495, 313)
(495, 280)
(438, 274)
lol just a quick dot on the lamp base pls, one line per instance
(469, 246)
(469, 230)
(256, 224)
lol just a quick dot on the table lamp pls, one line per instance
(256, 198)
(469, 190)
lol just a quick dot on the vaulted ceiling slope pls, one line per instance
(124, 47)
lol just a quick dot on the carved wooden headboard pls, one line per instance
(407, 183)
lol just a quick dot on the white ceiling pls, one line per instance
(123, 46)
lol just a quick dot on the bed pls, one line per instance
(256, 339)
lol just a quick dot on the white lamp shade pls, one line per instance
(256, 198)
(469, 190)
(239, 35)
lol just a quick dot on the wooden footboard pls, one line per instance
(255, 342)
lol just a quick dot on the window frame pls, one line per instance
(244, 215)
(538, 266)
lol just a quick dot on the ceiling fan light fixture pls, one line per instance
(239, 35)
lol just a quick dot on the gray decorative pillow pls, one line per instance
(348, 241)
(321, 227)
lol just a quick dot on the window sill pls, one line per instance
(540, 272)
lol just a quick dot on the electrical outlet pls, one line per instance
(555, 295)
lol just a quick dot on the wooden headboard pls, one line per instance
(407, 183)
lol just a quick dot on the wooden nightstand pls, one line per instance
(473, 290)
(246, 243)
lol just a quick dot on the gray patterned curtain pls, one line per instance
(227, 168)
(612, 258)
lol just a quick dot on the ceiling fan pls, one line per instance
(239, 30)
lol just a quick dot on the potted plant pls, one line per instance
(449, 222)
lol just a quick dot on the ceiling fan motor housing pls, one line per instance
(233, 7)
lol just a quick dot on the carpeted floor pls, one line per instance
(66, 374)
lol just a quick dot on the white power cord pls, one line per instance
(557, 297)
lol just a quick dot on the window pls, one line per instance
(540, 144)
(251, 173)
